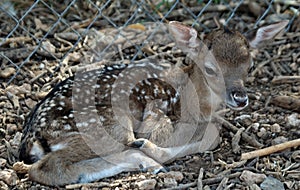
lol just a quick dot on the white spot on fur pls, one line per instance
(82, 124)
(43, 113)
(123, 91)
(175, 99)
(43, 124)
(43, 120)
(37, 150)
(165, 105)
(156, 90)
(62, 103)
(54, 123)
(102, 119)
(67, 127)
(57, 147)
(148, 82)
(92, 120)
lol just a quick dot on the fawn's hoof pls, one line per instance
(163, 169)
(138, 143)
(21, 168)
(155, 170)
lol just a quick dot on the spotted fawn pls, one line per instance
(138, 116)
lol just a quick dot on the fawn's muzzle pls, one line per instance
(237, 98)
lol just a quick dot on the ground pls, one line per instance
(273, 85)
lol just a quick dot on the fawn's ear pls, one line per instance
(185, 37)
(266, 33)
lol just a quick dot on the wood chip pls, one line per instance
(287, 102)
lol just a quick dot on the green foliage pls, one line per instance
(165, 4)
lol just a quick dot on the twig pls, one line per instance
(270, 150)
(222, 184)
(38, 76)
(268, 101)
(236, 140)
(62, 49)
(287, 102)
(15, 39)
(119, 46)
(234, 164)
(275, 70)
(291, 2)
(285, 79)
(89, 185)
(219, 178)
(155, 9)
(182, 186)
(251, 140)
(216, 8)
(200, 177)
(205, 181)
(262, 64)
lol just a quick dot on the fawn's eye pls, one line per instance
(209, 69)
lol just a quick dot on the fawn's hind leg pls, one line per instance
(126, 161)
(59, 168)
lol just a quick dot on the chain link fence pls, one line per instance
(34, 34)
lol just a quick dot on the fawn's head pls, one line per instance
(224, 57)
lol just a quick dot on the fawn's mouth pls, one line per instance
(237, 105)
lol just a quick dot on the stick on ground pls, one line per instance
(270, 150)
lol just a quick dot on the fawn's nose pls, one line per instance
(238, 99)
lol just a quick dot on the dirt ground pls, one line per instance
(273, 85)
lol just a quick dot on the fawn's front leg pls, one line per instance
(209, 141)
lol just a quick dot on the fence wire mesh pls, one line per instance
(41, 35)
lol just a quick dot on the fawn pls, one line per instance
(129, 117)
